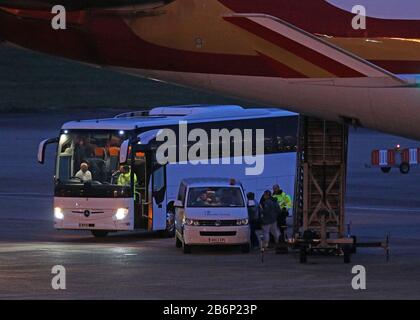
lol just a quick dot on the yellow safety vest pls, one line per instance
(124, 179)
(284, 200)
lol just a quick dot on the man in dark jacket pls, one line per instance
(270, 211)
(254, 219)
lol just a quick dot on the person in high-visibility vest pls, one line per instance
(285, 204)
(124, 179)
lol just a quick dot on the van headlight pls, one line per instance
(188, 222)
(242, 222)
(58, 213)
(121, 214)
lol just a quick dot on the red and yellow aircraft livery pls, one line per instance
(305, 55)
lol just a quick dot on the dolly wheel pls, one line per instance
(347, 254)
(354, 246)
(303, 255)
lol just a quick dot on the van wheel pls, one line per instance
(245, 248)
(178, 243)
(99, 233)
(186, 248)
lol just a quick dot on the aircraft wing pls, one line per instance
(296, 53)
(73, 5)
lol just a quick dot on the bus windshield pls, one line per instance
(219, 197)
(88, 165)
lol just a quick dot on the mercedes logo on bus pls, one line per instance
(86, 213)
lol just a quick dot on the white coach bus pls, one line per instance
(128, 144)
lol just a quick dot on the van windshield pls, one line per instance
(215, 197)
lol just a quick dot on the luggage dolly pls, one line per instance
(336, 247)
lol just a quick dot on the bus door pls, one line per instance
(150, 191)
(159, 194)
(141, 169)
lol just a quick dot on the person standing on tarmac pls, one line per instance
(285, 204)
(254, 219)
(270, 211)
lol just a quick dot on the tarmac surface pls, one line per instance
(144, 266)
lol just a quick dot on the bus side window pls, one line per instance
(286, 134)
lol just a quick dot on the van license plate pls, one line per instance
(217, 240)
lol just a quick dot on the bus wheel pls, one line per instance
(405, 168)
(99, 233)
(386, 169)
(169, 232)
(178, 243)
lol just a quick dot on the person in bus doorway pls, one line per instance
(270, 211)
(124, 178)
(254, 219)
(84, 174)
(285, 204)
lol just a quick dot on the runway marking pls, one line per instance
(417, 210)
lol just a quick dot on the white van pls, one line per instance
(211, 211)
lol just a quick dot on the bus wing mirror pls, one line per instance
(41, 148)
(124, 149)
(178, 204)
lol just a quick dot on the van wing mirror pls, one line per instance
(178, 204)
(41, 148)
(124, 149)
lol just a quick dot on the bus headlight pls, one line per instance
(58, 213)
(242, 222)
(121, 214)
